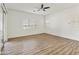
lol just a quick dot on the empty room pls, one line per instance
(39, 29)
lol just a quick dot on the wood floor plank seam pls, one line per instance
(56, 47)
(60, 49)
(41, 44)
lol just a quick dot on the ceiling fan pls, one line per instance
(43, 8)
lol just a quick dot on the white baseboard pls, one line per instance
(68, 37)
(25, 35)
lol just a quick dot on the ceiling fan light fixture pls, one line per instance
(42, 10)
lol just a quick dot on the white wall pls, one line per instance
(64, 23)
(5, 27)
(16, 19)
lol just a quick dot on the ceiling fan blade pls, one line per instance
(42, 6)
(46, 7)
(44, 10)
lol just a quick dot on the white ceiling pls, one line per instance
(29, 7)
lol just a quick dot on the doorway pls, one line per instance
(3, 36)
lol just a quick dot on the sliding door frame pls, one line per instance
(4, 11)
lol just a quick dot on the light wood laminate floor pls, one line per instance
(41, 44)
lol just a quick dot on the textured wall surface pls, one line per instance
(64, 23)
(17, 19)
